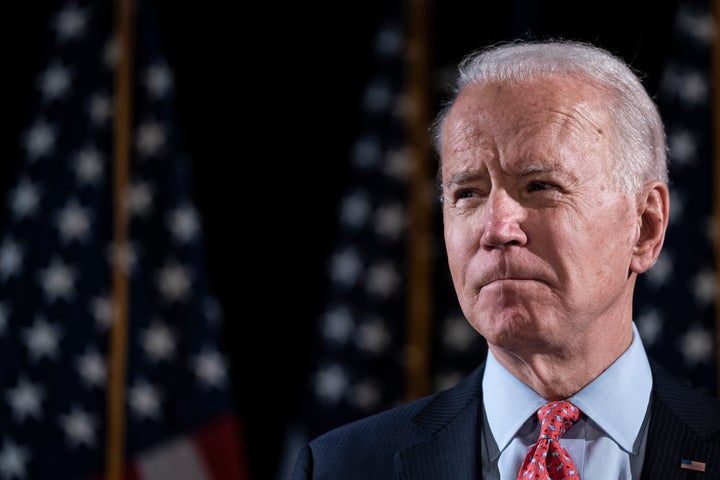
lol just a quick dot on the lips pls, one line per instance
(511, 276)
(502, 267)
(506, 280)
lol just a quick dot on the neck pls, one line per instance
(558, 372)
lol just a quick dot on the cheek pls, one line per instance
(459, 241)
(614, 229)
(603, 245)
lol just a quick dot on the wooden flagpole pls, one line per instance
(420, 196)
(115, 440)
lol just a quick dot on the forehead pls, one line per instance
(553, 117)
(564, 101)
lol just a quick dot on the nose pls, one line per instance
(502, 225)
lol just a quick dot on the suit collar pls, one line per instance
(448, 404)
(451, 423)
(700, 413)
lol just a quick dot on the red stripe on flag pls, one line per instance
(222, 449)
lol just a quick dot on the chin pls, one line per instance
(509, 330)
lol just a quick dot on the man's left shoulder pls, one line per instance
(696, 407)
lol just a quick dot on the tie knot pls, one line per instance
(556, 418)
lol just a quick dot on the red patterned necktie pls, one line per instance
(547, 459)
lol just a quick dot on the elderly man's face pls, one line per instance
(539, 238)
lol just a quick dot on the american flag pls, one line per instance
(675, 302)
(358, 364)
(359, 360)
(358, 341)
(56, 276)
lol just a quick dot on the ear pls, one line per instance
(653, 209)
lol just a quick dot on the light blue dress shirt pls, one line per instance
(607, 442)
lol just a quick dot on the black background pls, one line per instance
(267, 99)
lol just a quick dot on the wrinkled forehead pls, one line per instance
(537, 97)
(551, 115)
(566, 105)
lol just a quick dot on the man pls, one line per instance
(555, 198)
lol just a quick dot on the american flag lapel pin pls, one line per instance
(692, 465)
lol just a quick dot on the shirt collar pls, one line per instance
(506, 417)
(626, 382)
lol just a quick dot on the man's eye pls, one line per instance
(465, 194)
(539, 186)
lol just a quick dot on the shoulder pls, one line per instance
(684, 425)
(366, 448)
(698, 409)
(389, 426)
(417, 418)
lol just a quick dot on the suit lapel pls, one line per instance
(451, 424)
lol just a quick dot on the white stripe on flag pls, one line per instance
(177, 459)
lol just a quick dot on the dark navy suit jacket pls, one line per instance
(437, 437)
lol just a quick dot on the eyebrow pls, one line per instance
(465, 176)
(468, 176)
(559, 173)
(535, 168)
